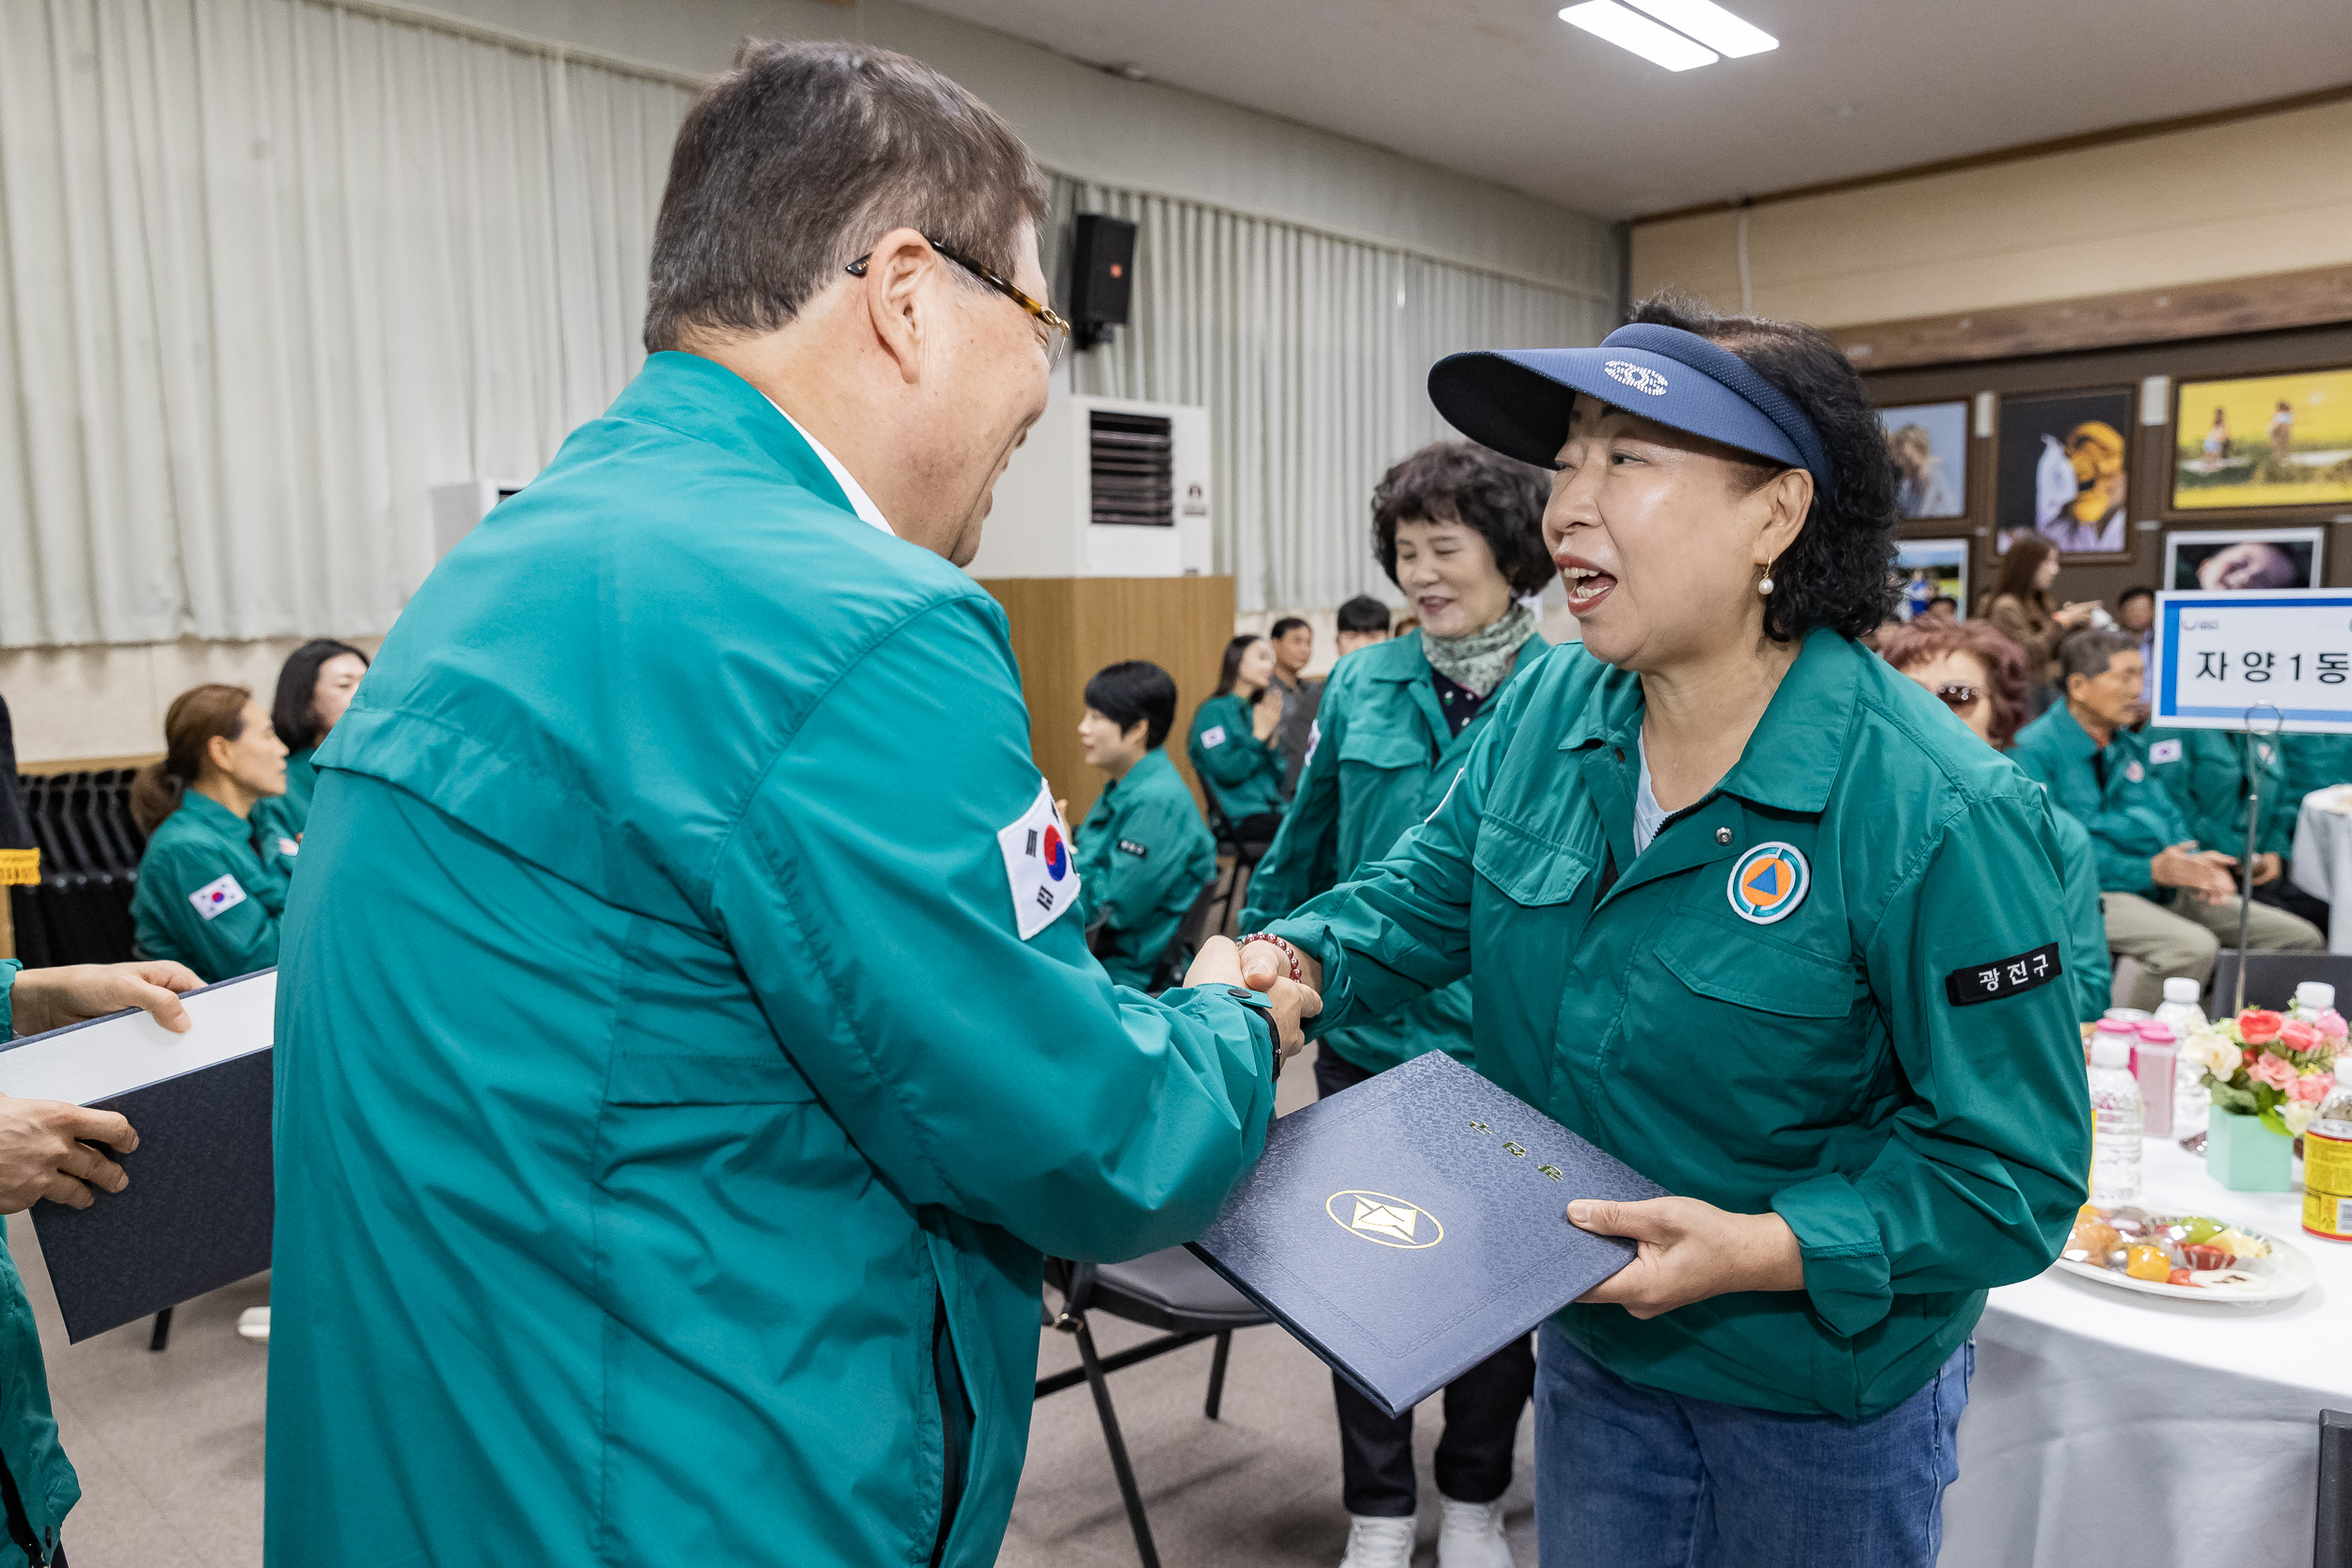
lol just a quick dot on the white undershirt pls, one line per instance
(1648, 815)
(860, 502)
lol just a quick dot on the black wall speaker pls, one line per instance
(1102, 273)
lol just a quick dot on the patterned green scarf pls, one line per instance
(1480, 660)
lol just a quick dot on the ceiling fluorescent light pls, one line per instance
(1711, 25)
(1606, 19)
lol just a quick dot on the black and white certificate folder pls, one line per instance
(197, 1212)
(1408, 1228)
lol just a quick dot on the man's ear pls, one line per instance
(893, 297)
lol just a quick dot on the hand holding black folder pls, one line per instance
(1406, 1229)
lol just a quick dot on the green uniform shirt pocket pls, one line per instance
(1379, 748)
(1748, 969)
(1527, 867)
(679, 1079)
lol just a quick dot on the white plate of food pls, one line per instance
(2160, 1252)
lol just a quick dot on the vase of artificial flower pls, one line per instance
(2267, 1073)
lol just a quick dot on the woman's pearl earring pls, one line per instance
(1765, 587)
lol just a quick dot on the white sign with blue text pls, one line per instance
(2284, 655)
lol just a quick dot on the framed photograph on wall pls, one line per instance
(1927, 570)
(2061, 471)
(2262, 441)
(2246, 558)
(1929, 442)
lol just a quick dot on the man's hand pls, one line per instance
(2205, 873)
(2267, 869)
(1219, 963)
(46, 1152)
(1265, 715)
(53, 998)
(1689, 1252)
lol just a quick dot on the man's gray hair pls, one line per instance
(790, 167)
(2090, 651)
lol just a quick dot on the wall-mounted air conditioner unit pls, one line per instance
(1104, 487)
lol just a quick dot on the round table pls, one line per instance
(2321, 863)
(2110, 1428)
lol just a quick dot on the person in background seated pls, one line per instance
(1293, 643)
(2098, 770)
(1942, 607)
(50, 1149)
(2136, 612)
(1981, 675)
(313, 687)
(1362, 620)
(205, 897)
(1143, 852)
(1458, 527)
(1232, 746)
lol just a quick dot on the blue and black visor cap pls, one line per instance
(1518, 401)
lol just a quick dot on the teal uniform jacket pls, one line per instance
(205, 897)
(671, 1109)
(2130, 816)
(280, 820)
(2205, 773)
(1382, 758)
(38, 1467)
(2086, 957)
(2314, 762)
(1830, 989)
(1242, 773)
(1143, 857)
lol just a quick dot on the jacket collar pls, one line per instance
(703, 400)
(1792, 759)
(1146, 772)
(203, 809)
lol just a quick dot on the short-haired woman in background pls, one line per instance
(1981, 675)
(314, 686)
(1143, 853)
(1728, 890)
(1232, 743)
(205, 898)
(1459, 530)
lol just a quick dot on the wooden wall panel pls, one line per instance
(1066, 628)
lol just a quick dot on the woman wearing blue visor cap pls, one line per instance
(1757, 915)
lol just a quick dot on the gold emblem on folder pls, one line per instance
(1388, 1221)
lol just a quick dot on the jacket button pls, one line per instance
(1723, 835)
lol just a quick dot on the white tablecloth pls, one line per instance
(2107, 1428)
(2321, 863)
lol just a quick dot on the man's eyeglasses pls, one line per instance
(1958, 698)
(1052, 330)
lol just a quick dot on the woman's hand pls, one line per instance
(1265, 713)
(46, 1152)
(1689, 1252)
(1220, 963)
(2074, 614)
(43, 999)
(1264, 965)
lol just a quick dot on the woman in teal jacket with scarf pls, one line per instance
(1459, 529)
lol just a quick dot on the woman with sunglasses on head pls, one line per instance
(1744, 907)
(1981, 675)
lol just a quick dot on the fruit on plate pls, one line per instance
(2237, 1243)
(2204, 1257)
(2179, 1277)
(2198, 1228)
(2092, 1241)
(2148, 1261)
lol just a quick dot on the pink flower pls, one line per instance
(2299, 1034)
(2259, 1025)
(2273, 1070)
(2331, 1026)
(2312, 1088)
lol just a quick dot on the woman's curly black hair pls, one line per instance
(1840, 571)
(1461, 482)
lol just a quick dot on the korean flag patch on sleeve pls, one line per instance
(2165, 751)
(1039, 865)
(221, 893)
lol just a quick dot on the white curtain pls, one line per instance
(1311, 354)
(270, 271)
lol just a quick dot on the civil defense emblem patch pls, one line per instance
(1769, 882)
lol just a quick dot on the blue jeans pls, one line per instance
(1630, 1478)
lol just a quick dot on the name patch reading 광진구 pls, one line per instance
(1964, 987)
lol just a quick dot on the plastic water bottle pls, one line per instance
(2192, 1102)
(2114, 1120)
(2311, 998)
(2154, 1064)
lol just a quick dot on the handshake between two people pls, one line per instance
(1292, 1002)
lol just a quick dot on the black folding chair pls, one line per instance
(1191, 932)
(2271, 978)
(2331, 1539)
(1245, 856)
(1171, 1291)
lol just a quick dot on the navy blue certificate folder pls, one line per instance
(1408, 1228)
(197, 1212)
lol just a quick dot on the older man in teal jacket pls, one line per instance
(689, 1042)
